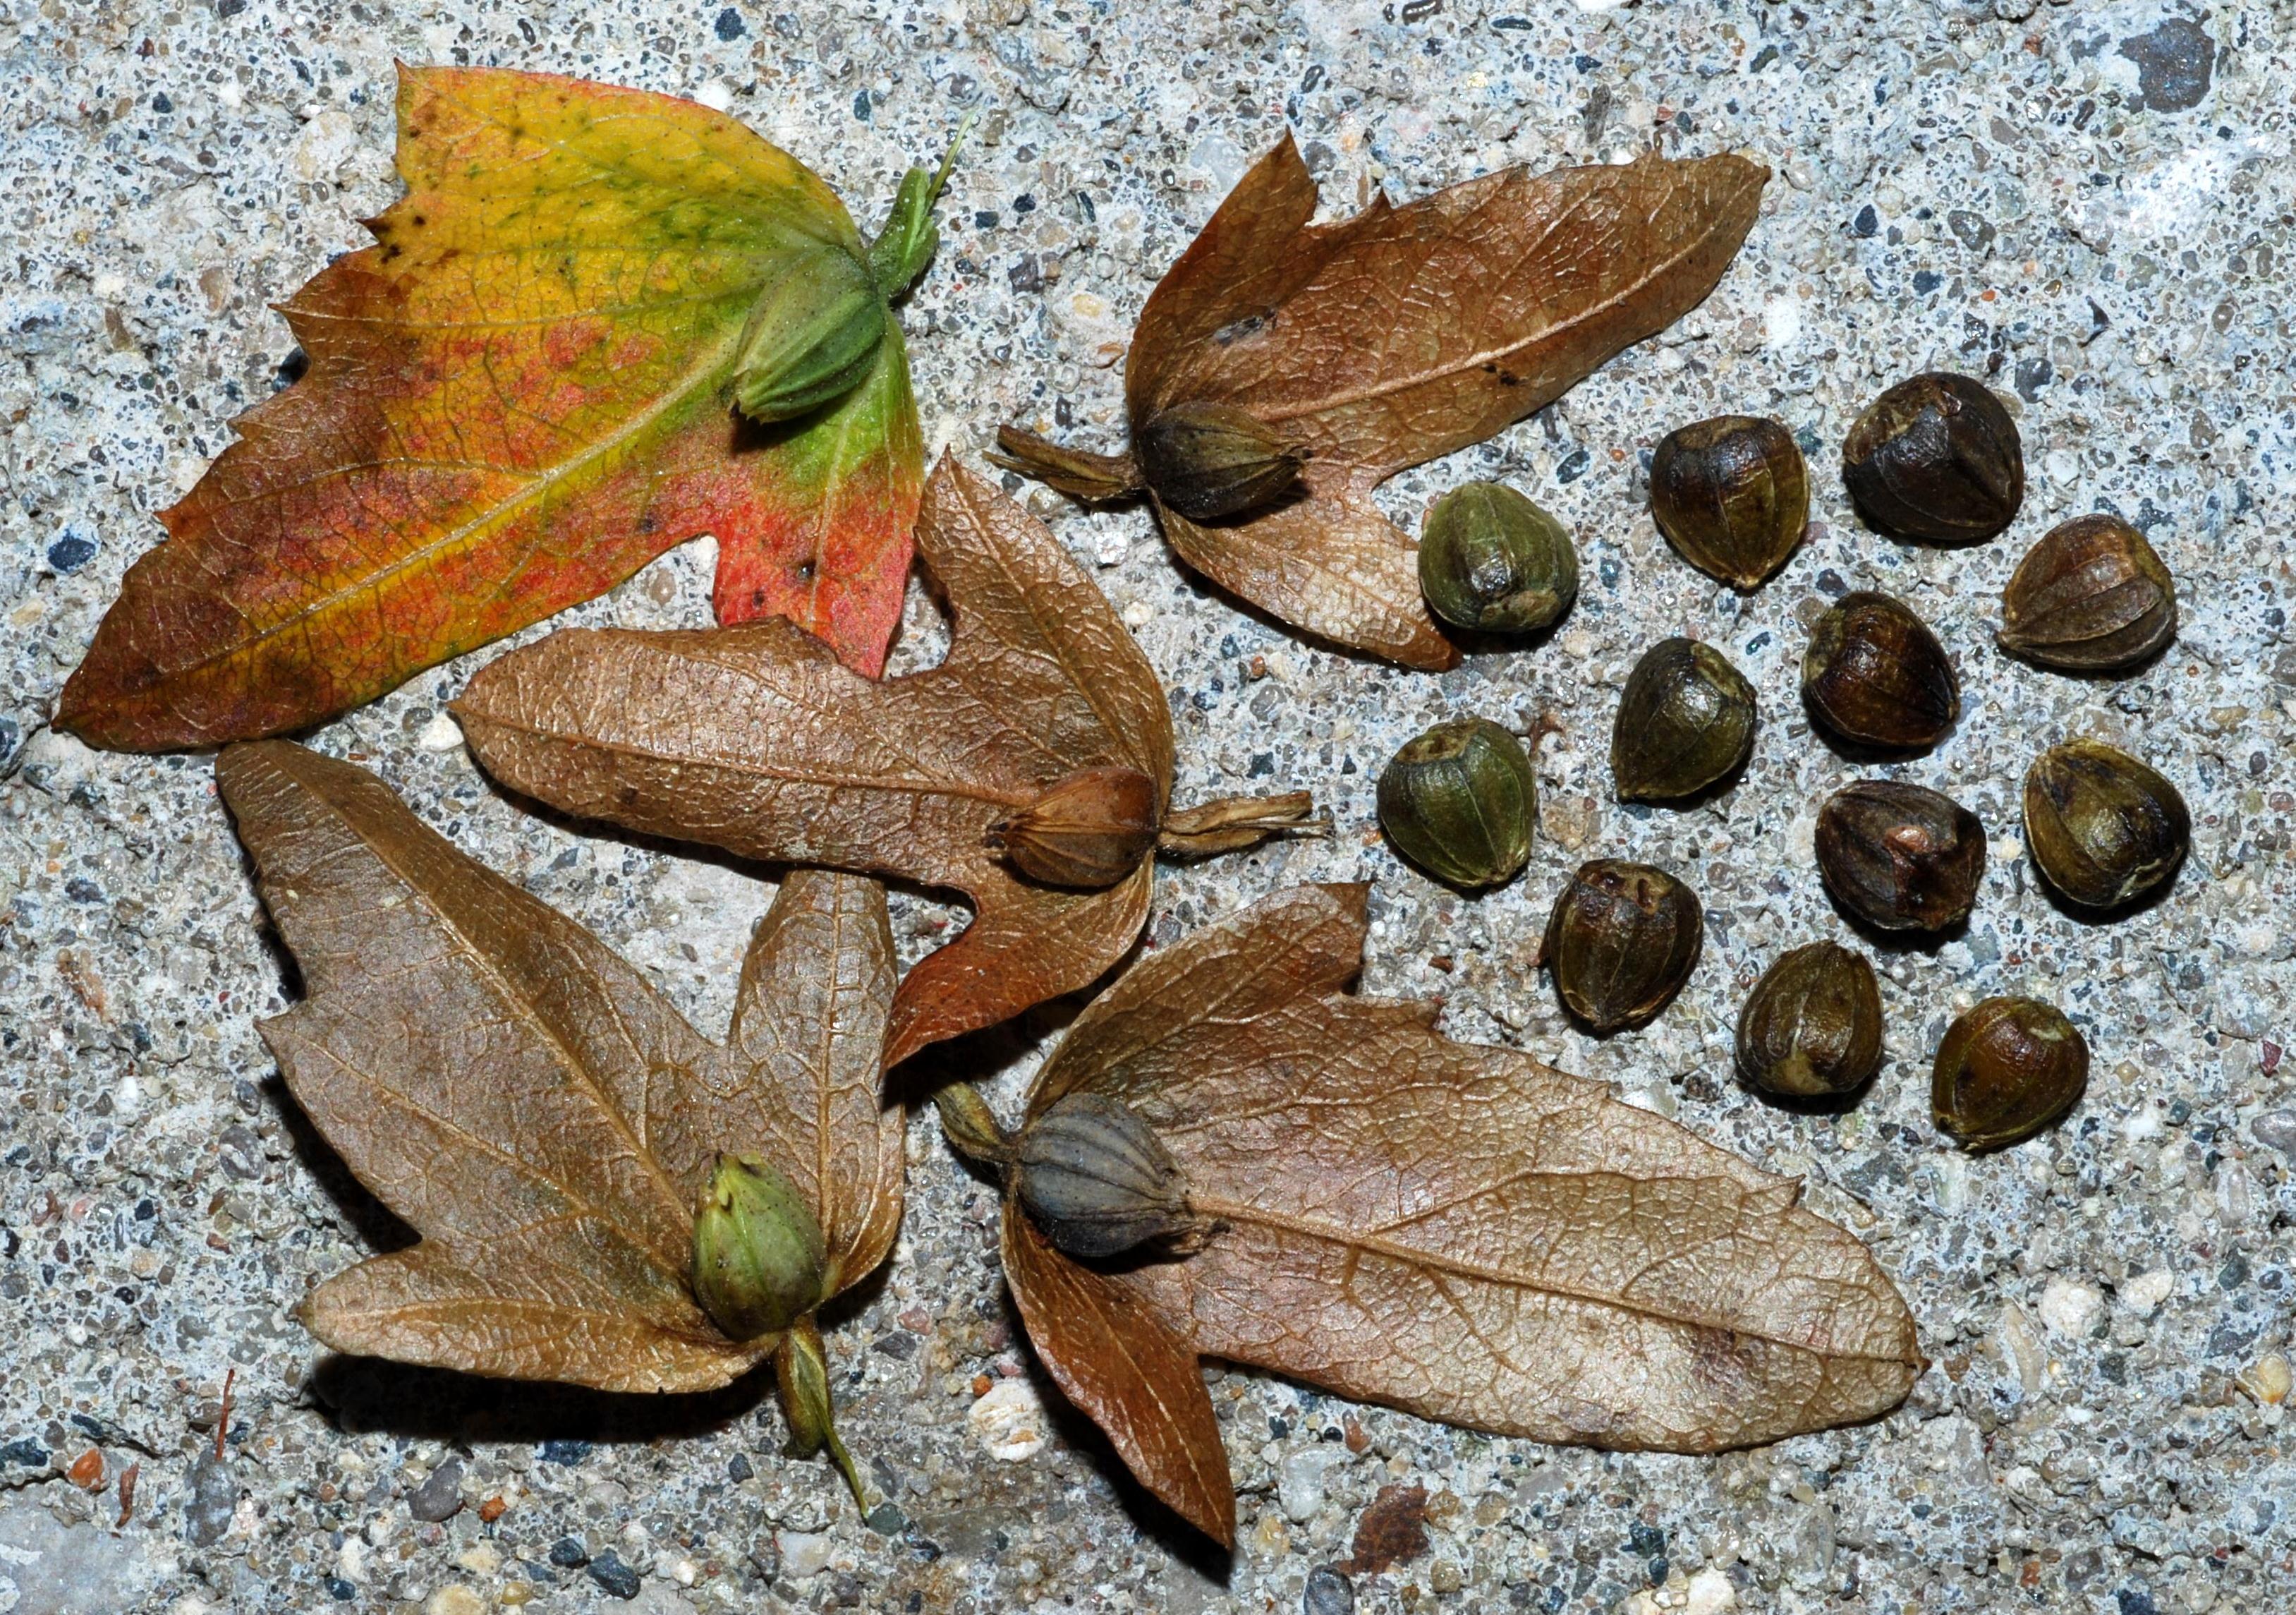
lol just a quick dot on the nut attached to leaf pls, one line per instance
(1875, 674)
(2006, 1070)
(1089, 830)
(1097, 1179)
(812, 341)
(1491, 560)
(1207, 461)
(1685, 720)
(1936, 457)
(758, 1258)
(2090, 597)
(1458, 801)
(1812, 1026)
(1899, 857)
(2104, 828)
(1621, 941)
(1732, 495)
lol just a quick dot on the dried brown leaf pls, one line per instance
(532, 1107)
(1402, 334)
(1460, 1230)
(1391, 1531)
(1122, 1364)
(754, 738)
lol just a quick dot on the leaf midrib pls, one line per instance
(1407, 1256)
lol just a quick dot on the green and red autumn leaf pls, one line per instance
(516, 398)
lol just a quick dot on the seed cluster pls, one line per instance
(1935, 459)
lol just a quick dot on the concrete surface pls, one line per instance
(2090, 204)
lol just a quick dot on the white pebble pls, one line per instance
(804, 1553)
(1709, 1594)
(1139, 614)
(441, 733)
(2147, 1290)
(2068, 1307)
(1009, 1421)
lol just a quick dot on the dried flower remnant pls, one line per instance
(1621, 940)
(526, 390)
(1686, 723)
(2008, 1069)
(1936, 457)
(1899, 856)
(1875, 675)
(1025, 771)
(1359, 1184)
(2103, 829)
(1308, 366)
(1732, 495)
(556, 1132)
(2090, 597)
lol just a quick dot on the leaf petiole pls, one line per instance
(801, 1368)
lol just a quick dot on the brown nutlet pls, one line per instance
(1685, 720)
(1875, 674)
(1899, 857)
(1097, 1179)
(1812, 1026)
(1207, 461)
(1621, 941)
(1089, 830)
(1936, 457)
(2103, 829)
(1732, 495)
(2006, 1070)
(2090, 597)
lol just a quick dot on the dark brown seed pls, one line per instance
(1900, 857)
(1097, 1179)
(1621, 941)
(2006, 1070)
(1207, 461)
(1732, 495)
(1685, 720)
(1936, 457)
(1875, 674)
(2104, 828)
(1088, 830)
(2090, 597)
(1812, 1025)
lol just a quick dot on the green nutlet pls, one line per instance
(1732, 495)
(813, 339)
(1812, 1026)
(1492, 561)
(1621, 941)
(1685, 722)
(2104, 828)
(1458, 801)
(759, 1261)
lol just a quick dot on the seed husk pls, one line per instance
(813, 341)
(1732, 495)
(1490, 560)
(1089, 829)
(1876, 675)
(1097, 1179)
(2006, 1070)
(1622, 940)
(1899, 856)
(1207, 461)
(2090, 597)
(2103, 829)
(1812, 1026)
(1936, 457)
(1459, 801)
(1685, 720)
